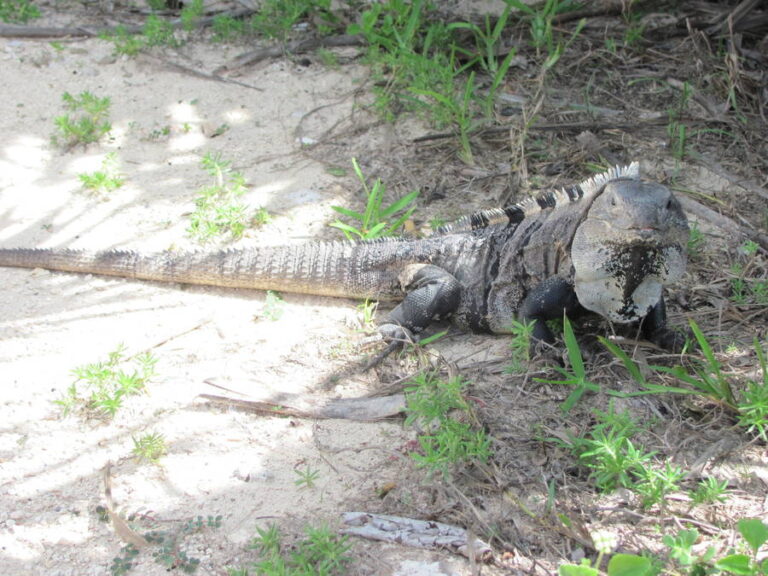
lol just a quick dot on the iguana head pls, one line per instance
(631, 243)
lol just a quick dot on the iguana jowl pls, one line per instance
(607, 245)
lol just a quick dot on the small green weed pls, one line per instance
(227, 29)
(149, 447)
(86, 120)
(577, 375)
(191, 14)
(745, 289)
(696, 242)
(125, 43)
(106, 180)
(159, 32)
(218, 211)
(706, 379)
(709, 491)
(167, 544)
(681, 557)
(276, 19)
(429, 402)
(273, 306)
(106, 384)
(367, 311)
(619, 564)
(18, 11)
(542, 17)
(321, 552)
(373, 222)
(520, 346)
(307, 477)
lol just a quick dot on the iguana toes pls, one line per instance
(607, 245)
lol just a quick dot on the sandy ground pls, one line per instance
(240, 466)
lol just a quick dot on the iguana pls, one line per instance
(606, 245)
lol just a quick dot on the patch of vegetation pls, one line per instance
(159, 32)
(273, 306)
(149, 447)
(440, 409)
(100, 387)
(18, 11)
(681, 558)
(106, 180)
(276, 19)
(218, 210)
(168, 547)
(520, 345)
(307, 477)
(86, 120)
(321, 552)
(373, 223)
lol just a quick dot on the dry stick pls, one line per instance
(198, 73)
(122, 529)
(733, 18)
(296, 47)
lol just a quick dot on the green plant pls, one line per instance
(709, 491)
(86, 120)
(273, 306)
(520, 345)
(226, 29)
(149, 447)
(373, 222)
(696, 242)
(125, 42)
(608, 452)
(682, 554)
(753, 406)
(458, 111)
(429, 402)
(107, 383)
(576, 377)
(653, 484)
(106, 180)
(367, 311)
(218, 211)
(320, 553)
(276, 19)
(191, 14)
(542, 17)
(159, 32)
(307, 477)
(168, 543)
(18, 11)
(619, 564)
(157, 5)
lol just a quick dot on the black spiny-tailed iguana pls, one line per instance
(606, 245)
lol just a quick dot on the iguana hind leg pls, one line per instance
(431, 293)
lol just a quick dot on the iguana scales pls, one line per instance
(606, 245)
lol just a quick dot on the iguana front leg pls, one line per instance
(546, 301)
(431, 293)
(654, 328)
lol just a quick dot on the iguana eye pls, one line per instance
(669, 203)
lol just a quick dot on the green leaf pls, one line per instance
(628, 565)
(400, 204)
(348, 212)
(574, 570)
(754, 531)
(736, 564)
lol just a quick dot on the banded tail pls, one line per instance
(340, 269)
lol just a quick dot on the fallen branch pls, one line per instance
(415, 533)
(298, 406)
(297, 47)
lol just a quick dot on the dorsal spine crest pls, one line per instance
(551, 199)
